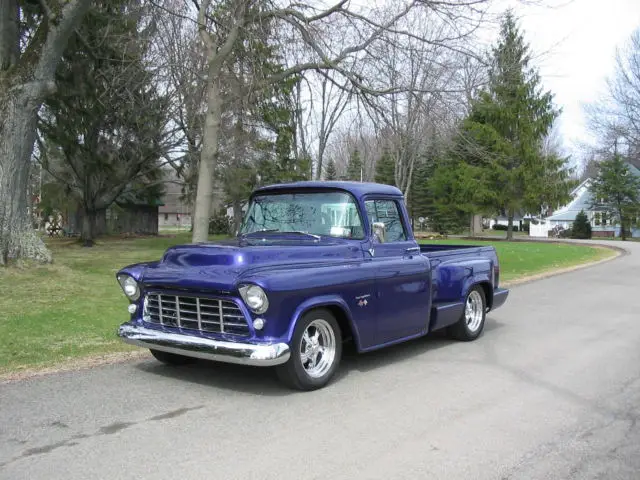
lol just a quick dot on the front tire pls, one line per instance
(171, 358)
(471, 323)
(316, 350)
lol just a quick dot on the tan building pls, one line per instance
(175, 213)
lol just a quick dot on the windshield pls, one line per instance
(328, 213)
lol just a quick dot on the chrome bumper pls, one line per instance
(198, 347)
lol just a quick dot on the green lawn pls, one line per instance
(521, 259)
(70, 309)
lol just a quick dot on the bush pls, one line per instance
(503, 228)
(220, 224)
(581, 227)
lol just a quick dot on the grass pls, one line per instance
(72, 308)
(522, 259)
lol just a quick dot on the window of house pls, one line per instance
(597, 218)
(387, 212)
(604, 218)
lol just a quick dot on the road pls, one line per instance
(551, 391)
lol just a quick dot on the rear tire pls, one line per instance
(316, 350)
(171, 358)
(471, 323)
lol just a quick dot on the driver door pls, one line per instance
(402, 275)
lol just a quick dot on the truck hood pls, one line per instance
(221, 266)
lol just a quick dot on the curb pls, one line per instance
(75, 365)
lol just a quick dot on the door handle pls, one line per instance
(412, 250)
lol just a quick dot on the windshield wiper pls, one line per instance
(274, 230)
(258, 232)
(298, 232)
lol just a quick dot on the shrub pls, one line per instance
(504, 228)
(581, 227)
(220, 224)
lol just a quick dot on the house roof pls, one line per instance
(583, 199)
(358, 189)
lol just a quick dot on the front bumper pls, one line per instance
(265, 355)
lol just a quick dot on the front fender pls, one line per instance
(323, 301)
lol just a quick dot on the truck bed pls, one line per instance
(447, 251)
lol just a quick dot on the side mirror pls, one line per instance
(379, 232)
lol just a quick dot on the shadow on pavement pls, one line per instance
(263, 381)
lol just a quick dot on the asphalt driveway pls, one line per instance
(551, 391)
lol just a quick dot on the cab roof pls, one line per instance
(357, 189)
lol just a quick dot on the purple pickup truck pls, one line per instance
(314, 264)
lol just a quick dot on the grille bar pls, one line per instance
(196, 313)
(178, 311)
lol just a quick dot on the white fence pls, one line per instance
(539, 230)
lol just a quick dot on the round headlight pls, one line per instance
(129, 287)
(255, 298)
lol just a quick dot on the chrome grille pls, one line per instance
(195, 313)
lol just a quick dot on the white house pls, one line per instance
(601, 225)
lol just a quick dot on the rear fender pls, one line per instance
(323, 301)
(483, 279)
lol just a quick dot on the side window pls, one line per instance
(387, 212)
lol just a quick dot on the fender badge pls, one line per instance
(362, 300)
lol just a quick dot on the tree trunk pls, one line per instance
(237, 215)
(472, 231)
(510, 225)
(17, 135)
(207, 166)
(21, 94)
(623, 233)
(88, 221)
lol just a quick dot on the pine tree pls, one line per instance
(330, 172)
(502, 137)
(385, 169)
(354, 168)
(104, 126)
(581, 227)
(616, 190)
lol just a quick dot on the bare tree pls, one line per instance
(182, 64)
(409, 119)
(306, 27)
(616, 117)
(31, 45)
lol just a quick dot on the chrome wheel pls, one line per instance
(473, 311)
(317, 348)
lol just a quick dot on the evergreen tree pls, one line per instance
(454, 193)
(104, 128)
(502, 137)
(354, 168)
(581, 227)
(385, 169)
(330, 172)
(616, 191)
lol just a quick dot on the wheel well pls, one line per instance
(342, 319)
(488, 292)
